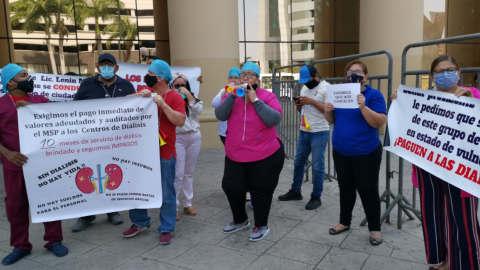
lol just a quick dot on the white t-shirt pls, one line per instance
(315, 118)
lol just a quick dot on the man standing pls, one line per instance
(103, 85)
(313, 138)
(17, 85)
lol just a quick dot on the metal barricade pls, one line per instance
(400, 199)
(289, 130)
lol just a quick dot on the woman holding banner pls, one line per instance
(187, 144)
(357, 151)
(449, 214)
(254, 152)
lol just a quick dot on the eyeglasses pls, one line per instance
(357, 72)
(177, 86)
(249, 75)
(449, 70)
(106, 64)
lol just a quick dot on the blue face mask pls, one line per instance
(107, 72)
(446, 80)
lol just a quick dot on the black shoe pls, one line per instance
(314, 203)
(291, 196)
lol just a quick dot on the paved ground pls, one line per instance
(299, 238)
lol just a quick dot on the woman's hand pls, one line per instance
(21, 103)
(184, 90)
(361, 101)
(394, 95)
(463, 92)
(329, 107)
(159, 100)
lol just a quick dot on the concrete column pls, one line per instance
(160, 25)
(6, 47)
(391, 25)
(205, 34)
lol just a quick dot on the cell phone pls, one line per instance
(296, 99)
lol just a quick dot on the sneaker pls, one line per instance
(236, 227)
(165, 238)
(259, 233)
(115, 218)
(134, 230)
(291, 196)
(82, 223)
(314, 203)
(15, 256)
(58, 249)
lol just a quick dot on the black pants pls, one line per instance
(223, 138)
(359, 173)
(258, 177)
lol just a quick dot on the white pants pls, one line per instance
(188, 149)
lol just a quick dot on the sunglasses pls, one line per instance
(177, 86)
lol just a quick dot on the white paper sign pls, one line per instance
(439, 133)
(90, 157)
(63, 88)
(343, 96)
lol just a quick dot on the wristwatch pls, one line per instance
(256, 99)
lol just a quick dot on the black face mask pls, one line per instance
(25, 86)
(312, 84)
(354, 78)
(150, 80)
(255, 86)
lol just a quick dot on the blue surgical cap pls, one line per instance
(252, 67)
(234, 72)
(8, 72)
(162, 69)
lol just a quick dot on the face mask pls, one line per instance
(255, 86)
(312, 84)
(354, 78)
(150, 80)
(25, 86)
(446, 80)
(107, 72)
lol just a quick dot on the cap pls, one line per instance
(234, 71)
(162, 69)
(307, 72)
(8, 72)
(107, 56)
(252, 67)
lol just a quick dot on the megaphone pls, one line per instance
(228, 89)
(239, 92)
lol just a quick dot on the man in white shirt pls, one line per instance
(313, 138)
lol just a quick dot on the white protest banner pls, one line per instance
(343, 96)
(63, 87)
(90, 157)
(439, 133)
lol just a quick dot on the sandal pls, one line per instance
(190, 211)
(375, 241)
(334, 231)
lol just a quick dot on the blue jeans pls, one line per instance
(307, 143)
(168, 211)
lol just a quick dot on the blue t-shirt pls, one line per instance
(352, 135)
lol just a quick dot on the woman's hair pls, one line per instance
(179, 75)
(441, 59)
(356, 62)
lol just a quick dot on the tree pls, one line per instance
(98, 9)
(126, 30)
(38, 14)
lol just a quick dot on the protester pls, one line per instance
(103, 85)
(171, 114)
(187, 145)
(17, 85)
(449, 214)
(254, 152)
(313, 138)
(357, 151)
(151, 58)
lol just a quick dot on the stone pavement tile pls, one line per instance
(200, 231)
(99, 234)
(359, 240)
(166, 253)
(218, 194)
(402, 255)
(207, 257)
(325, 216)
(416, 250)
(93, 260)
(198, 196)
(154, 226)
(292, 211)
(298, 250)
(223, 217)
(212, 201)
(204, 211)
(344, 259)
(23, 264)
(4, 224)
(399, 238)
(241, 243)
(317, 233)
(134, 246)
(145, 264)
(375, 262)
(4, 234)
(3, 213)
(75, 248)
(271, 262)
